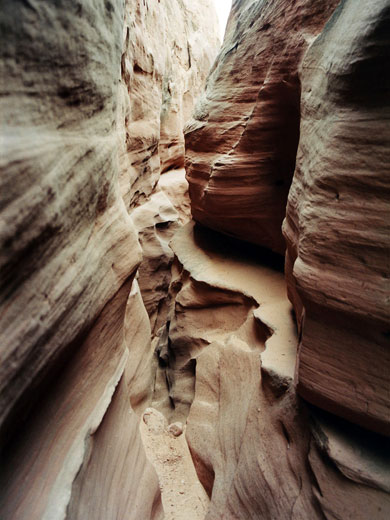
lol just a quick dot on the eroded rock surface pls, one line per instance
(182, 494)
(337, 225)
(241, 144)
(93, 109)
(163, 71)
(258, 450)
(168, 48)
(202, 330)
(65, 232)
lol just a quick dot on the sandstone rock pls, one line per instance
(241, 144)
(175, 187)
(337, 225)
(155, 421)
(116, 480)
(78, 153)
(81, 185)
(65, 233)
(209, 305)
(156, 221)
(231, 423)
(165, 60)
(359, 455)
(182, 494)
(191, 56)
(248, 431)
(352, 470)
(45, 457)
(164, 66)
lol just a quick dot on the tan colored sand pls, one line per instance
(183, 497)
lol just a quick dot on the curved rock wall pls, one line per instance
(337, 225)
(163, 71)
(229, 358)
(260, 450)
(165, 59)
(80, 148)
(65, 231)
(241, 144)
(94, 106)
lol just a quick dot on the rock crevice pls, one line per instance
(152, 366)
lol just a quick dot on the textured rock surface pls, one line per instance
(241, 144)
(337, 225)
(65, 232)
(156, 221)
(48, 452)
(182, 494)
(163, 70)
(94, 109)
(352, 469)
(211, 306)
(115, 457)
(87, 85)
(248, 431)
(165, 60)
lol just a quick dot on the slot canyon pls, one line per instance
(195, 260)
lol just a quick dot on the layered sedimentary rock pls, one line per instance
(163, 71)
(46, 456)
(156, 221)
(337, 224)
(241, 144)
(116, 479)
(65, 232)
(202, 329)
(78, 153)
(168, 48)
(69, 254)
(182, 494)
(229, 361)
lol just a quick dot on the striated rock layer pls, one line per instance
(168, 48)
(65, 232)
(46, 456)
(91, 88)
(229, 362)
(163, 70)
(337, 224)
(241, 144)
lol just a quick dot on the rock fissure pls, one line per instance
(157, 358)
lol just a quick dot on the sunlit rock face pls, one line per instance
(84, 108)
(168, 49)
(241, 144)
(337, 225)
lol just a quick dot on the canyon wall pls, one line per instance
(93, 105)
(153, 367)
(242, 141)
(337, 225)
(229, 358)
(336, 131)
(168, 48)
(279, 78)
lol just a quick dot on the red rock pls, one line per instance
(241, 144)
(337, 224)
